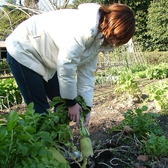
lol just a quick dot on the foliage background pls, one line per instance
(151, 18)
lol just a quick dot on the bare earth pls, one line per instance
(106, 113)
(117, 150)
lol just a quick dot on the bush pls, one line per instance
(155, 58)
(4, 67)
(9, 93)
(157, 26)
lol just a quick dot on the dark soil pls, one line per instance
(119, 150)
(116, 149)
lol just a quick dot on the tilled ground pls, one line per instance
(117, 149)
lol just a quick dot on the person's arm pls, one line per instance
(75, 81)
(68, 58)
(85, 83)
(85, 80)
(85, 72)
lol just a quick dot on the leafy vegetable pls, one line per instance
(40, 140)
(85, 142)
(30, 136)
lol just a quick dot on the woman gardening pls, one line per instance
(55, 53)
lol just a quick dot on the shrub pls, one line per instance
(155, 58)
(9, 93)
(157, 26)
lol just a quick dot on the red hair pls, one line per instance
(117, 21)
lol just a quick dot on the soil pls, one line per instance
(116, 149)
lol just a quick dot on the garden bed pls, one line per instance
(114, 149)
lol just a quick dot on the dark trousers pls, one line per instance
(32, 86)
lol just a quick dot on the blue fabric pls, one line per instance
(32, 86)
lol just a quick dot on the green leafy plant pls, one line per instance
(4, 67)
(127, 84)
(157, 26)
(29, 136)
(9, 93)
(156, 145)
(85, 141)
(25, 139)
(38, 140)
(158, 93)
(141, 122)
(141, 74)
(145, 127)
(157, 72)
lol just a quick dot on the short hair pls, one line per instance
(117, 21)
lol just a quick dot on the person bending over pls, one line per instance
(55, 53)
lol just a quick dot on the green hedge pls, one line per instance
(4, 67)
(155, 58)
(9, 93)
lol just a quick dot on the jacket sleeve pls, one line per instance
(85, 80)
(76, 78)
(68, 59)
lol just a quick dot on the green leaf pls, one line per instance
(45, 160)
(45, 136)
(55, 101)
(29, 129)
(25, 137)
(35, 150)
(144, 108)
(3, 132)
(41, 165)
(30, 109)
(24, 149)
(12, 121)
(43, 152)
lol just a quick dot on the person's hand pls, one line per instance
(74, 113)
(87, 119)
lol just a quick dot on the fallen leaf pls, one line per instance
(143, 158)
(128, 129)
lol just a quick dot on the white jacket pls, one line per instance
(66, 41)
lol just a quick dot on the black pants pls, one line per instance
(32, 86)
